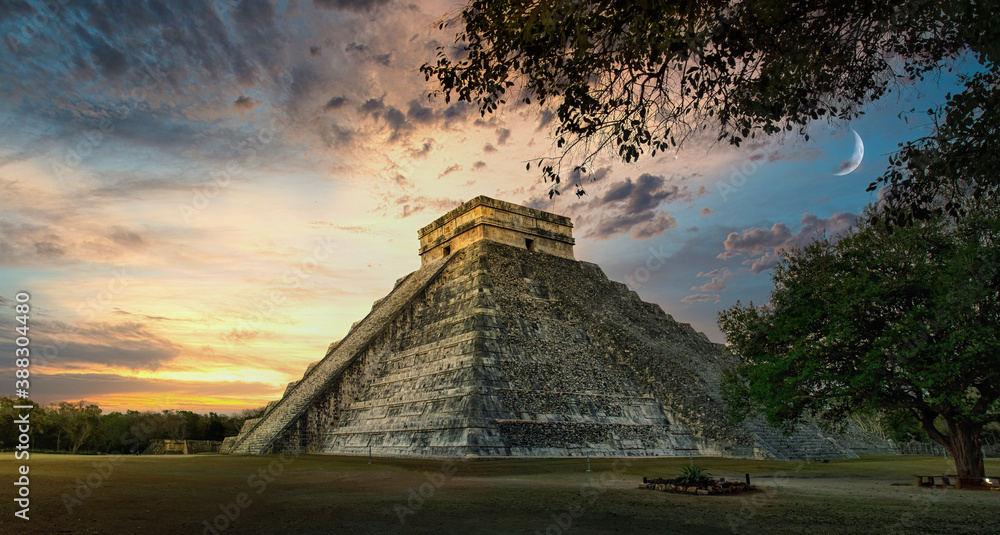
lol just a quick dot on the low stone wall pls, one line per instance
(719, 487)
(182, 447)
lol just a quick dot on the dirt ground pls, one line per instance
(213, 494)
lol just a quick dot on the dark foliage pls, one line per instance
(893, 321)
(81, 428)
(637, 78)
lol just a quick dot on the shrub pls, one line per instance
(695, 476)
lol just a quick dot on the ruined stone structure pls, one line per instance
(484, 218)
(182, 447)
(502, 344)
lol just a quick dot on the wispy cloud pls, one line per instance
(631, 207)
(701, 298)
(764, 244)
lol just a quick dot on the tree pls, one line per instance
(216, 429)
(143, 427)
(194, 425)
(78, 422)
(952, 170)
(171, 425)
(9, 431)
(52, 423)
(640, 77)
(112, 433)
(880, 320)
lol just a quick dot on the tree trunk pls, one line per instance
(84, 433)
(963, 444)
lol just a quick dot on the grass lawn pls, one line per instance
(199, 494)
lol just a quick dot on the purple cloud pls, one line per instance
(764, 244)
(631, 207)
(701, 298)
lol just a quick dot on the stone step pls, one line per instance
(805, 442)
(260, 436)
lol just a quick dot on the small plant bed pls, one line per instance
(695, 480)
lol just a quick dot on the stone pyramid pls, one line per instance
(502, 344)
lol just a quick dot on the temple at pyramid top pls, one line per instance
(484, 218)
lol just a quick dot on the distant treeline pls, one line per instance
(81, 428)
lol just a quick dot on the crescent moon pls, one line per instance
(855, 161)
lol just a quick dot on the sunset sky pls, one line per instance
(200, 196)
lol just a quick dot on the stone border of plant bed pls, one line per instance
(672, 485)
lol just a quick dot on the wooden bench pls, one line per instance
(929, 481)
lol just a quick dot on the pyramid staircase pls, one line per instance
(805, 443)
(257, 435)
